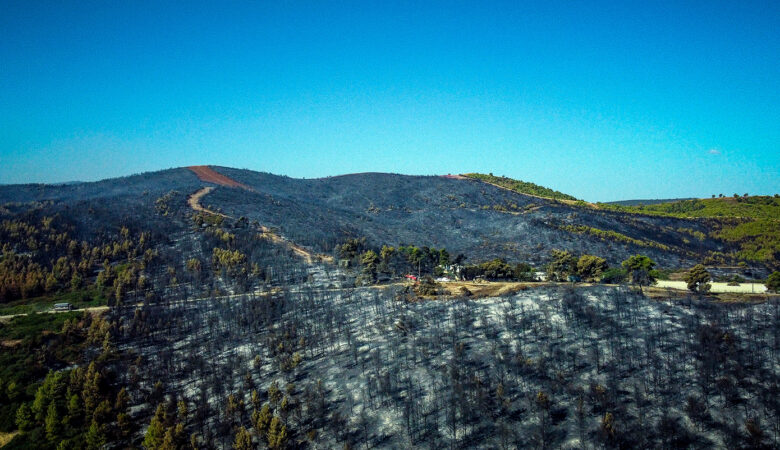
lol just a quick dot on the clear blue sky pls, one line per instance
(605, 101)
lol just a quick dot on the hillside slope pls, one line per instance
(465, 216)
(751, 225)
(468, 216)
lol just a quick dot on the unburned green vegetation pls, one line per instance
(752, 224)
(51, 390)
(81, 298)
(521, 187)
(614, 236)
(755, 207)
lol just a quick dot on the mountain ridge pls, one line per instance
(469, 216)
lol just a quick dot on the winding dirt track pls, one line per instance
(194, 201)
(208, 175)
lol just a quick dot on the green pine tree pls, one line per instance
(74, 409)
(277, 434)
(52, 423)
(156, 431)
(24, 417)
(698, 279)
(169, 440)
(243, 440)
(263, 420)
(95, 437)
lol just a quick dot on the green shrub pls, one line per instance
(614, 275)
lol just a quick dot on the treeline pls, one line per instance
(377, 264)
(498, 269)
(392, 262)
(640, 270)
(41, 257)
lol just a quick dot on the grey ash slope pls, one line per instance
(134, 185)
(464, 216)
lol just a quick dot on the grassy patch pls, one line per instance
(24, 327)
(82, 298)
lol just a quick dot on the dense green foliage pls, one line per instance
(758, 240)
(522, 187)
(698, 279)
(566, 267)
(41, 258)
(641, 270)
(498, 269)
(391, 262)
(614, 275)
(590, 267)
(66, 403)
(773, 282)
(562, 265)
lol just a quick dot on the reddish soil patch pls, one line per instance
(209, 175)
(455, 177)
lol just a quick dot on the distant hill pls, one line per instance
(150, 182)
(755, 207)
(647, 202)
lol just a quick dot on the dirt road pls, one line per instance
(194, 202)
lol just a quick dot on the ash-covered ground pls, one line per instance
(548, 367)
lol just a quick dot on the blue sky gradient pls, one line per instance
(602, 100)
